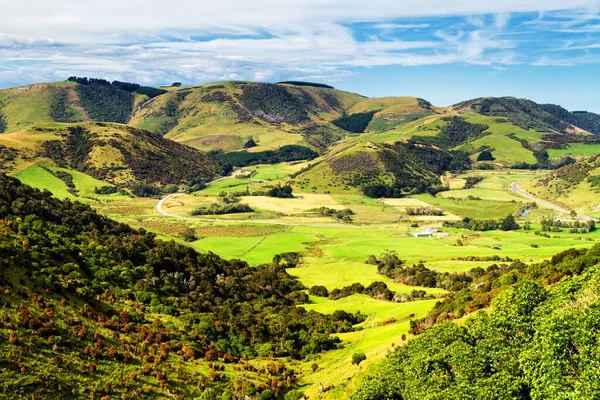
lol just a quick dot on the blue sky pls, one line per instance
(445, 52)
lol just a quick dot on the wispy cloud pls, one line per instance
(156, 42)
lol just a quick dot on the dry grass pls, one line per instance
(299, 204)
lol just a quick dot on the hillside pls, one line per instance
(94, 308)
(576, 186)
(113, 153)
(538, 341)
(380, 170)
(234, 116)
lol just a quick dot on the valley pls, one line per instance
(315, 186)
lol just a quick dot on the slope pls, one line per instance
(378, 170)
(112, 153)
(91, 308)
(224, 116)
(576, 186)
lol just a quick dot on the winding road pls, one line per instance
(515, 187)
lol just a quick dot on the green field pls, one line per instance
(576, 150)
(39, 178)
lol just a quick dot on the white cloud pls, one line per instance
(155, 41)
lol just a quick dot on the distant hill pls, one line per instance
(235, 115)
(380, 170)
(113, 153)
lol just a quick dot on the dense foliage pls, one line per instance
(60, 109)
(283, 154)
(3, 125)
(282, 192)
(312, 84)
(124, 86)
(485, 155)
(356, 123)
(507, 223)
(521, 112)
(273, 103)
(103, 103)
(456, 131)
(536, 343)
(218, 209)
(582, 119)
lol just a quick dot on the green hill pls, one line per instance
(576, 186)
(538, 340)
(380, 170)
(112, 153)
(233, 116)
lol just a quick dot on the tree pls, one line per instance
(485, 155)
(357, 358)
(176, 84)
(509, 223)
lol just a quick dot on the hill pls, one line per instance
(575, 186)
(256, 117)
(113, 153)
(380, 170)
(537, 341)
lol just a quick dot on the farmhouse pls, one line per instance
(423, 234)
(429, 232)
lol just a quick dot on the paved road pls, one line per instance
(515, 187)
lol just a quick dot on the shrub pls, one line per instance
(143, 190)
(485, 155)
(218, 209)
(282, 192)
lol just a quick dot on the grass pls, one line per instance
(506, 150)
(495, 187)
(576, 150)
(302, 203)
(39, 178)
(374, 340)
(338, 273)
(479, 209)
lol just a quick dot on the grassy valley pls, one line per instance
(285, 240)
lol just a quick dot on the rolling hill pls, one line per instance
(233, 116)
(113, 153)
(379, 170)
(576, 186)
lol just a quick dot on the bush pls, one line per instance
(282, 192)
(485, 155)
(171, 188)
(283, 154)
(105, 190)
(218, 209)
(356, 123)
(319, 290)
(143, 190)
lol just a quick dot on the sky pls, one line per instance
(440, 50)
